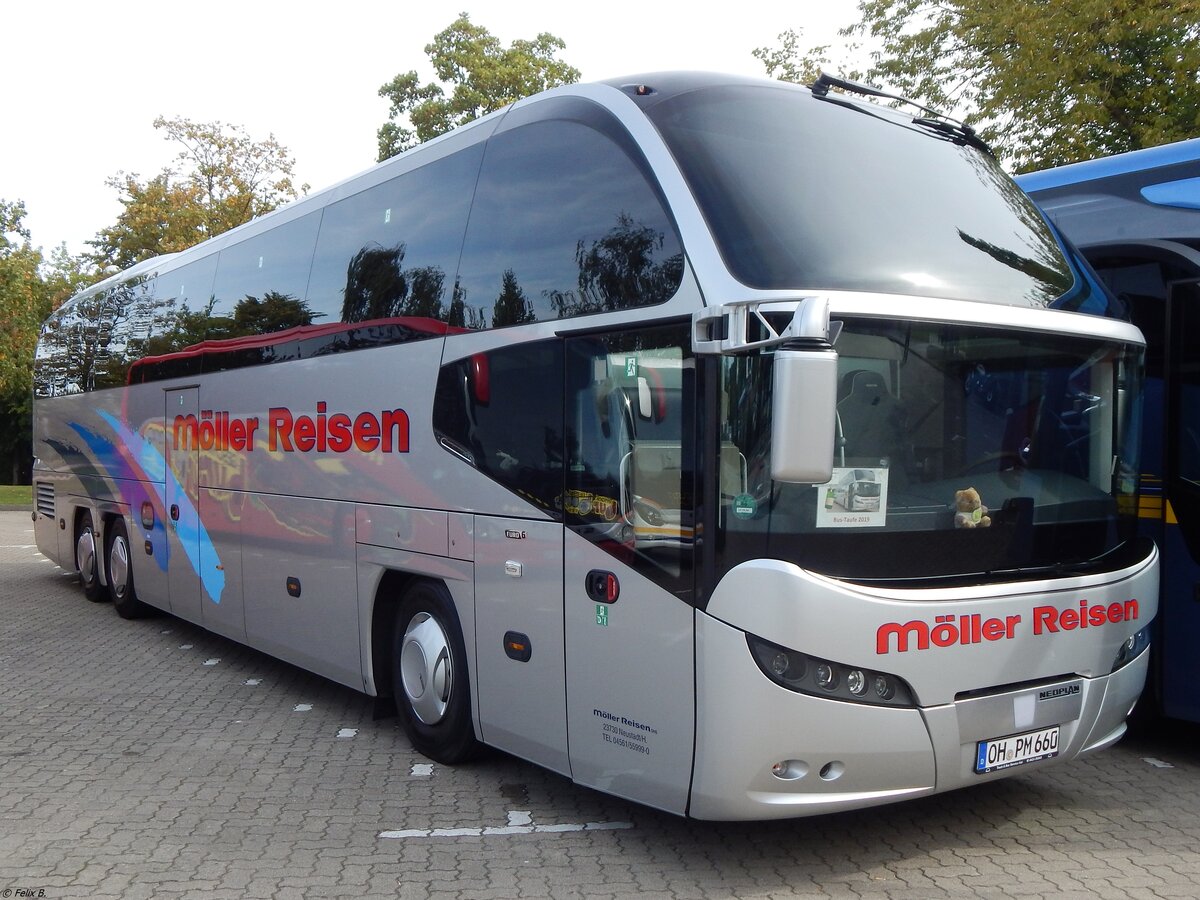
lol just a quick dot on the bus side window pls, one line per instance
(391, 249)
(502, 412)
(566, 221)
(630, 450)
(261, 281)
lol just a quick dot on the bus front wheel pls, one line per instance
(87, 560)
(429, 676)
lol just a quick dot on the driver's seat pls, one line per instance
(870, 418)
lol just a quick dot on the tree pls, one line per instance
(221, 179)
(789, 63)
(485, 77)
(1047, 81)
(28, 288)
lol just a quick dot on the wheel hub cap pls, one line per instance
(425, 668)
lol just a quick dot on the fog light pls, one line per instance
(789, 769)
(856, 681)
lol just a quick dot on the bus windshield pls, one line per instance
(803, 193)
(960, 452)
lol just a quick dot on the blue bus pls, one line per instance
(1136, 217)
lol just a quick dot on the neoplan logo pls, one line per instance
(1066, 690)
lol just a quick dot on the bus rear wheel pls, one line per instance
(429, 676)
(120, 573)
(87, 560)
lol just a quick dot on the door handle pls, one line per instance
(601, 586)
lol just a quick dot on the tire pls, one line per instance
(120, 573)
(87, 560)
(430, 681)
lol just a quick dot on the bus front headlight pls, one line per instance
(818, 677)
(1131, 649)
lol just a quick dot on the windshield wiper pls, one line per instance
(935, 121)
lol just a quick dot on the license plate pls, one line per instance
(1003, 753)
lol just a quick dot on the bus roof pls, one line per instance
(1109, 166)
(1151, 194)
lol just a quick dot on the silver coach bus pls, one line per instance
(534, 429)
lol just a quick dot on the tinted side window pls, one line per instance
(565, 222)
(392, 249)
(631, 469)
(93, 341)
(124, 323)
(66, 349)
(261, 282)
(503, 412)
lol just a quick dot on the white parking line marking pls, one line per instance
(520, 821)
(1157, 763)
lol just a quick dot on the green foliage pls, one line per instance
(221, 179)
(20, 497)
(1047, 82)
(25, 300)
(789, 63)
(1050, 81)
(485, 77)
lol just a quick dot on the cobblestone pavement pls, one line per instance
(151, 759)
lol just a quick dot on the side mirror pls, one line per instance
(804, 401)
(804, 406)
(804, 414)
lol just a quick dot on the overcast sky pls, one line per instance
(85, 80)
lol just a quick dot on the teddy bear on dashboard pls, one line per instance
(969, 510)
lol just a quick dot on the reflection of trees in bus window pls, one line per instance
(623, 265)
(91, 343)
(379, 287)
(512, 307)
(274, 312)
(275, 262)
(567, 213)
(386, 251)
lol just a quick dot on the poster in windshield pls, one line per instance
(853, 498)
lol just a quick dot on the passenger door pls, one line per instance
(1158, 282)
(500, 411)
(182, 497)
(628, 564)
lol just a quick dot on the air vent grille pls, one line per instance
(45, 498)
